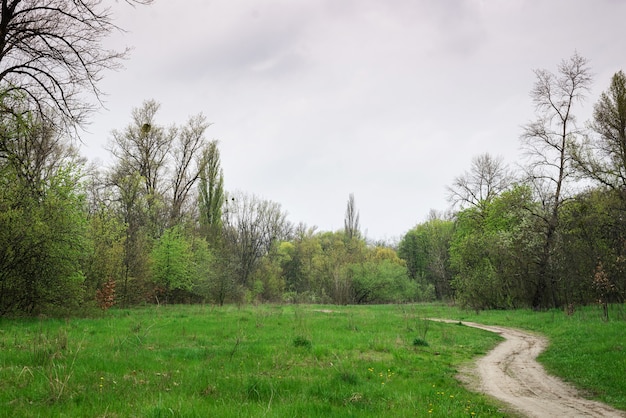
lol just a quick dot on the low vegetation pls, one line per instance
(284, 360)
(585, 349)
(270, 360)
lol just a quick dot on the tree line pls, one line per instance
(551, 233)
(158, 226)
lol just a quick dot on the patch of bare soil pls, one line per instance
(511, 373)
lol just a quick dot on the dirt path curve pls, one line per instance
(511, 374)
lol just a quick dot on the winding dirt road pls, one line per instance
(511, 374)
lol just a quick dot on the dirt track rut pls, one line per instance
(511, 373)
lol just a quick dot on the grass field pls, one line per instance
(584, 350)
(282, 361)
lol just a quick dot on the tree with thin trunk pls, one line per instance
(211, 193)
(547, 142)
(252, 227)
(188, 168)
(144, 148)
(351, 220)
(487, 178)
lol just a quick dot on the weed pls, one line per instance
(423, 325)
(420, 342)
(59, 375)
(352, 326)
(136, 328)
(259, 390)
(300, 322)
(234, 350)
(350, 378)
(301, 341)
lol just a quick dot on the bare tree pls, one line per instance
(351, 220)
(487, 178)
(547, 142)
(51, 53)
(251, 227)
(144, 146)
(187, 166)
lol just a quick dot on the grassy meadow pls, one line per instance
(283, 361)
(584, 350)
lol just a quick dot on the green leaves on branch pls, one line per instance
(42, 243)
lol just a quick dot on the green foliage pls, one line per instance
(172, 260)
(337, 254)
(211, 194)
(42, 243)
(132, 212)
(492, 253)
(413, 248)
(425, 250)
(301, 261)
(602, 156)
(105, 259)
(268, 284)
(381, 281)
(593, 235)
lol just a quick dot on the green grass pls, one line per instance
(228, 362)
(584, 350)
(283, 361)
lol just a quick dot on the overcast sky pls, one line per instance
(312, 100)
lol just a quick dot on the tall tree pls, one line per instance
(211, 193)
(602, 157)
(188, 168)
(165, 158)
(143, 147)
(547, 142)
(351, 220)
(51, 53)
(132, 210)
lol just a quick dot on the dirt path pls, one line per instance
(511, 374)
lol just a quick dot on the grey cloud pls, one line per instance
(314, 99)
